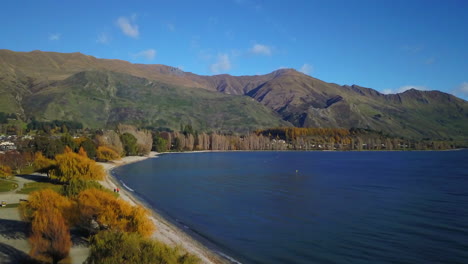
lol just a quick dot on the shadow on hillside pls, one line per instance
(11, 255)
(13, 229)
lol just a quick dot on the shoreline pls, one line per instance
(169, 232)
(166, 231)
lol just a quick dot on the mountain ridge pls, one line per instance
(299, 99)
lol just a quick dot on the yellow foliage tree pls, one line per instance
(106, 154)
(5, 171)
(71, 166)
(43, 164)
(40, 201)
(113, 213)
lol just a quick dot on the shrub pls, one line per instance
(75, 186)
(106, 154)
(110, 247)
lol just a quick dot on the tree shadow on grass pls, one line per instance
(35, 177)
(13, 229)
(11, 255)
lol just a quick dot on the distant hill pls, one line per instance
(99, 92)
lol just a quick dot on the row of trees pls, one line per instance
(83, 203)
(102, 145)
(289, 139)
(4, 117)
(119, 231)
(54, 126)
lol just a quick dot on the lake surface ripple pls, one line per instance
(339, 207)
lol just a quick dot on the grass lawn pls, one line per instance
(34, 186)
(27, 170)
(11, 205)
(6, 186)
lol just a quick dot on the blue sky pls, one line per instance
(388, 45)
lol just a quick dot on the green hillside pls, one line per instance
(102, 99)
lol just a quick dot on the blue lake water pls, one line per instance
(339, 207)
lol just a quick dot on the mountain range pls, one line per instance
(104, 92)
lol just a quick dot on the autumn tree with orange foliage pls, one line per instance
(50, 215)
(71, 165)
(39, 201)
(50, 237)
(112, 213)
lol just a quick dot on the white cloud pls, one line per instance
(306, 68)
(222, 64)
(148, 54)
(260, 49)
(408, 87)
(103, 38)
(387, 91)
(404, 88)
(55, 36)
(462, 90)
(128, 26)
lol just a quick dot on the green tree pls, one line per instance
(48, 146)
(110, 247)
(3, 118)
(177, 144)
(160, 144)
(129, 143)
(67, 140)
(88, 145)
(188, 130)
(75, 186)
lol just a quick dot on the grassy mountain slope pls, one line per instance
(100, 99)
(308, 102)
(28, 79)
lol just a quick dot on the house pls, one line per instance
(7, 145)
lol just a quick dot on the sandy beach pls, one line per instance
(166, 232)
